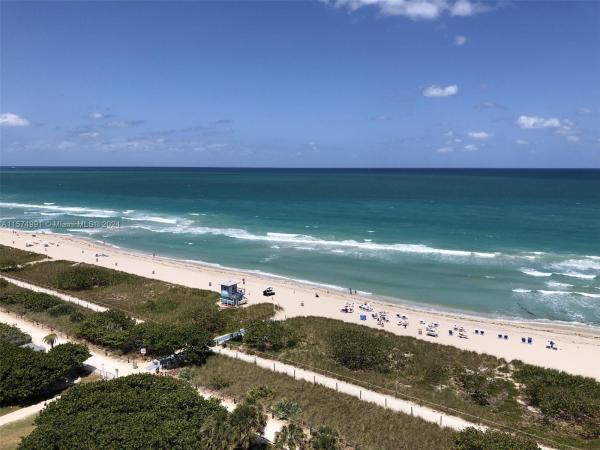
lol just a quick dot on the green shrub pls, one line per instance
(260, 392)
(13, 335)
(25, 373)
(62, 309)
(290, 437)
(325, 438)
(79, 278)
(285, 409)
(110, 328)
(561, 396)
(474, 439)
(142, 411)
(29, 300)
(269, 336)
(359, 349)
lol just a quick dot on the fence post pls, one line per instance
(314, 379)
(336, 386)
(440, 420)
(360, 394)
(294, 374)
(411, 410)
(386, 402)
(273, 367)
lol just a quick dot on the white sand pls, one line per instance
(579, 347)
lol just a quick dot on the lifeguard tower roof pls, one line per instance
(228, 283)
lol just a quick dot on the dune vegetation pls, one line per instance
(558, 406)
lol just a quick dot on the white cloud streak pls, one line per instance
(530, 122)
(440, 91)
(12, 120)
(416, 9)
(481, 135)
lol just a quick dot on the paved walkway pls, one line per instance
(387, 401)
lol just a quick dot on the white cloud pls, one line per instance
(415, 9)
(471, 148)
(481, 135)
(440, 91)
(538, 122)
(460, 40)
(584, 110)
(522, 142)
(573, 138)
(89, 134)
(466, 8)
(445, 150)
(96, 115)
(13, 120)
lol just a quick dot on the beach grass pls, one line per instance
(142, 297)
(12, 433)
(362, 425)
(465, 383)
(12, 257)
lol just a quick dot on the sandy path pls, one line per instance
(579, 347)
(105, 365)
(65, 297)
(367, 395)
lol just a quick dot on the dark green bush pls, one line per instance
(110, 328)
(79, 278)
(25, 373)
(29, 300)
(142, 411)
(63, 309)
(13, 335)
(474, 439)
(359, 349)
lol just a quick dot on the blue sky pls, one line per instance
(349, 83)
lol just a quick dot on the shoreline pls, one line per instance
(579, 344)
(370, 297)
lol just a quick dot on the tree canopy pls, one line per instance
(25, 373)
(142, 411)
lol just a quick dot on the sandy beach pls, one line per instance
(578, 347)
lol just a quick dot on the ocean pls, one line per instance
(522, 244)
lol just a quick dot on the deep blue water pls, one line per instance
(522, 243)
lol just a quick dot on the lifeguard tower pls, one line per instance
(231, 295)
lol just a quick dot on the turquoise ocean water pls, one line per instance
(517, 243)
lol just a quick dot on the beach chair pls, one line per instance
(529, 340)
(450, 332)
(482, 332)
(505, 336)
(523, 340)
(499, 336)
(476, 331)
